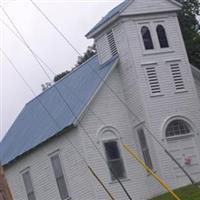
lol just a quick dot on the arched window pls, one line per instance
(109, 137)
(177, 128)
(114, 159)
(146, 35)
(162, 37)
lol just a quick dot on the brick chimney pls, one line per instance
(5, 193)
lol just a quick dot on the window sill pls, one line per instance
(180, 91)
(156, 95)
(122, 180)
(157, 51)
(179, 137)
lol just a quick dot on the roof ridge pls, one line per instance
(110, 14)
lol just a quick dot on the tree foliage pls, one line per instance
(190, 28)
(91, 51)
(61, 75)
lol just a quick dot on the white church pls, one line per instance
(139, 84)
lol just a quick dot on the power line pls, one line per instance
(118, 97)
(66, 103)
(54, 120)
(42, 61)
(25, 43)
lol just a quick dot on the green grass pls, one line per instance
(186, 193)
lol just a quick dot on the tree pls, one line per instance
(190, 28)
(61, 75)
(91, 51)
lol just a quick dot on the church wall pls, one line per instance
(38, 162)
(81, 185)
(168, 103)
(111, 113)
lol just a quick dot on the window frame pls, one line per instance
(121, 158)
(152, 24)
(139, 27)
(57, 153)
(112, 47)
(147, 80)
(140, 126)
(179, 62)
(28, 170)
(145, 44)
(165, 34)
(176, 137)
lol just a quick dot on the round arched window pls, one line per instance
(162, 37)
(177, 128)
(146, 35)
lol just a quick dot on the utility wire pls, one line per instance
(58, 126)
(68, 106)
(49, 68)
(13, 32)
(118, 97)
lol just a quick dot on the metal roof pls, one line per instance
(110, 14)
(34, 125)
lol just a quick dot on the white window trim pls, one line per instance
(114, 40)
(155, 64)
(28, 169)
(57, 152)
(152, 24)
(178, 61)
(115, 137)
(139, 28)
(121, 155)
(177, 117)
(163, 23)
(137, 127)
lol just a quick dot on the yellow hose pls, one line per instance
(137, 158)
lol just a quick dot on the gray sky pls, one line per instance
(75, 18)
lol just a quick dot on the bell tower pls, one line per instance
(157, 80)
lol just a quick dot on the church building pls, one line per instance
(140, 90)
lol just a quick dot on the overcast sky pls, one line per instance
(75, 18)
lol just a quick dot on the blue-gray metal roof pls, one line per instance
(35, 125)
(110, 14)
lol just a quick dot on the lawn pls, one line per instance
(186, 193)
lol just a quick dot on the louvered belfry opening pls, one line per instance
(112, 44)
(153, 80)
(177, 77)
